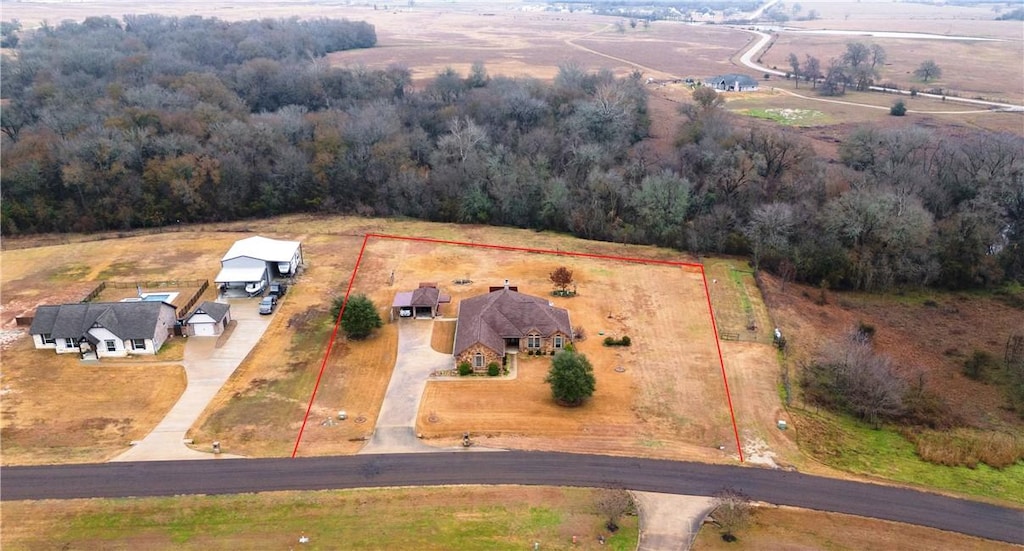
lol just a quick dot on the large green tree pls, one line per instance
(360, 317)
(571, 378)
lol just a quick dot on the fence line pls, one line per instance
(152, 284)
(95, 292)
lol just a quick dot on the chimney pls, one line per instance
(506, 285)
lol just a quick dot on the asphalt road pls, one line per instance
(229, 476)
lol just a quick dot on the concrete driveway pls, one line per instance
(209, 361)
(670, 522)
(396, 425)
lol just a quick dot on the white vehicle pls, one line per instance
(405, 312)
(254, 288)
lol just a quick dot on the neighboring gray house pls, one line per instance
(110, 329)
(209, 320)
(506, 320)
(255, 261)
(732, 82)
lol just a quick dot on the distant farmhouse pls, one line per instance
(506, 321)
(104, 329)
(732, 82)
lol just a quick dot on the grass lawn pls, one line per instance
(846, 444)
(465, 518)
(792, 528)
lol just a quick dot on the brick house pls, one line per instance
(506, 321)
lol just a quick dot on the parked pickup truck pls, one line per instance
(278, 289)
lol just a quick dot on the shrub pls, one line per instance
(493, 369)
(898, 109)
(465, 369)
(980, 365)
(865, 331)
(624, 341)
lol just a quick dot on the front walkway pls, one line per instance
(396, 425)
(207, 367)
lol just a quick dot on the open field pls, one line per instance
(789, 528)
(517, 42)
(465, 517)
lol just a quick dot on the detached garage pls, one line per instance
(209, 320)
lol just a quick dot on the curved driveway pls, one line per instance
(229, 476)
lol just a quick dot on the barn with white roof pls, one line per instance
(252, 263)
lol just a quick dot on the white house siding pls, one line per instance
(38, 341)
(62, 349)
(164, 327)
(104, 335)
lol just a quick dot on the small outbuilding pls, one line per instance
(732, 82)
(254, 262)
(425, 302)
(210, 319)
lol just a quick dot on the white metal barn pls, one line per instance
(209, 320)
(258, 259)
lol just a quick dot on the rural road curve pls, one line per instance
(228, 476)
(763, 39)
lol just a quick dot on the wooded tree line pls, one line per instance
(146, 132)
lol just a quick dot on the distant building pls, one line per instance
(209, 320)
(732, 82)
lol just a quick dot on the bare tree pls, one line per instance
(794, 63)
(851, 377)
(732, 512)
(613, 504)
(928, 70)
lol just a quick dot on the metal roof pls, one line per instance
(263, 248)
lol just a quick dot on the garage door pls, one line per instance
(204, 329)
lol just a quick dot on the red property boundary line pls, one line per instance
(359, 259)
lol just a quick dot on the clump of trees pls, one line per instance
(859, 66)
(571, 378)
(115, 125)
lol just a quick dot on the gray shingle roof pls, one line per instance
(127, 320)
(216, 310)
(490, 319)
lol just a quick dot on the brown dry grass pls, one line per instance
(957, 324)
(792, 529)
(55, 409)
(442, 338)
